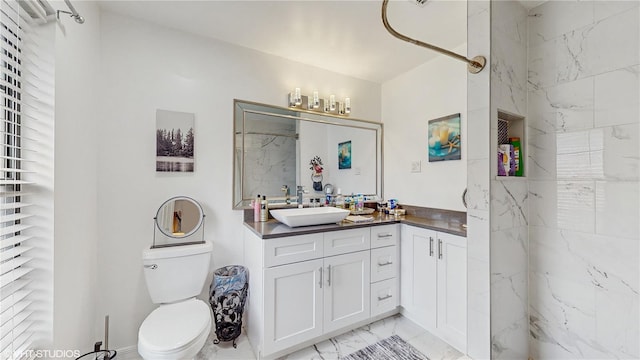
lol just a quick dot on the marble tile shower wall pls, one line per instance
(583, 172)
(478, 278)
(509, 198)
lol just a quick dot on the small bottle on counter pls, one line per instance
(360, 203)
(256, 208)
(264, 209)
(352, 202)
(339, 201)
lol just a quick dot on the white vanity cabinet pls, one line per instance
(434, 282)
(293, 304)
(346, 290)
(418, 275)
(306, 299)
(384, 269)
(306, 288)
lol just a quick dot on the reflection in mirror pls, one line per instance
(269, 154)
(274, 146)
(178, 218)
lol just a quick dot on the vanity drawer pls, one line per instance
(292, 249)
(384, 296)
(346, 241)
(384, 263)
(384, 235)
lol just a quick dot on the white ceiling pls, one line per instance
(346, 37)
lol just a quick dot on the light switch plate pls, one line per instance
(415, 166)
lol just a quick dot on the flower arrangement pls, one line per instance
(316, 165)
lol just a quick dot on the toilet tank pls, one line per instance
(176, 273)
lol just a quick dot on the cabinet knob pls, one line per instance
(380, 298)
(320, 282)
(385, 264)
(439, 249)
(385, 235)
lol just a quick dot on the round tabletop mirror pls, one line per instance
(179, 217)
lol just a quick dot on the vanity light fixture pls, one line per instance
(318, 104)
(297, 99)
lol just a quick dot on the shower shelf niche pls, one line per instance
(510, 126)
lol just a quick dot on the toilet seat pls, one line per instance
(174, 331)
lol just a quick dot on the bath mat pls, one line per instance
(391, 348)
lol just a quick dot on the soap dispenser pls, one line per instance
(264, 209)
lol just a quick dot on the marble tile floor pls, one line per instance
(345, 344)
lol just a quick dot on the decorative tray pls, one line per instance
(365, 211)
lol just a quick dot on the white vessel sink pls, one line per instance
(309, 216)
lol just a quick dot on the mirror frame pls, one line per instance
(329, 119)
(193, 231)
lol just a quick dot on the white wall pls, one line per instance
(77, 54)
(145, 67)
(434, 89)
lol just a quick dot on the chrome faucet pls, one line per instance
(299, 194)
(287, 193)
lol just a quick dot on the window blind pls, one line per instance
(21, 259)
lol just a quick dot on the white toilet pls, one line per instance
(179, 327)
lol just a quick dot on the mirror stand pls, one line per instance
(155, 227)
(180, 217)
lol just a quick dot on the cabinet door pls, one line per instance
(452, 290)
(346, 290)
(418, 275)
(292, 304)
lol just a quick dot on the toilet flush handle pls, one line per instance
(152, 266)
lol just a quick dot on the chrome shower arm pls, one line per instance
(73, 13)
(474, 65)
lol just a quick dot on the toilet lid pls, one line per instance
(173, 326)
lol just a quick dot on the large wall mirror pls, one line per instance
(273, 147)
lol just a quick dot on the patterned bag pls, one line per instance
(227, 296)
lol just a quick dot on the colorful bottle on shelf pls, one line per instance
(517, 153)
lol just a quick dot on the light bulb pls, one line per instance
(298, 97)
(332, 103)
(316, 100)
(347, 105)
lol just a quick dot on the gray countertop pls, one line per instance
(274, 229)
